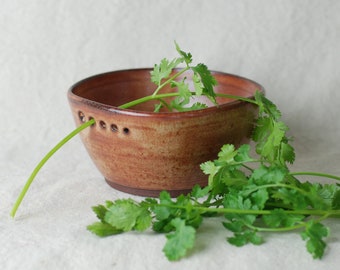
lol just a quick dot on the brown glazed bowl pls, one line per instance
(142, 152)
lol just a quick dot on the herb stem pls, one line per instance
(317, 174)
(147, 98)
(236, 97)
(281, 229)
(44, 160)
(285, 229)
(306, 212)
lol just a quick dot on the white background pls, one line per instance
(290, 47)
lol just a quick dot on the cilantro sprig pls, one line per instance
(167, 72)
(253, 194)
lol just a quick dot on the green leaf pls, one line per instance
(314, 234)
(267, 106)
(236, 226)
(163, 213)
(243, 154)
(324, 196)
(197, 106)
(236, 201)
(259, 198)
(103, 229)
(163, 70)
(207, 80)
(291, 197)
(279, 218)
(227, 153)
(198, 85)
(319, 196)
(126, 215)
(180, 102)
(187, 57)
(277, 134)
(180, 241)
(100, 211)
(262, 129)
(199, 192)
(287, 153)
(230, 176)
(210, 169)
(336, 200)
(269, 175)
(245, 237)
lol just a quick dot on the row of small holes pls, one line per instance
(102, 124)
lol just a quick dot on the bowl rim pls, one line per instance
(129, 111)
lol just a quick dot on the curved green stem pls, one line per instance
(281, 229)
(154, 96)
(44, 160)
(175, 94)
(237, 97)
(306, 212)
(317, 174)
(147, 98)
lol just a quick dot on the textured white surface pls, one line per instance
(290, 47)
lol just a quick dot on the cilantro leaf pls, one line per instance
(268, 175)
(206, 83)
(187, 57)
(100, 211)
(279, 218)
(198, 85)
(163, 70)
(245, 237)
(291, 197)
(199, 192)
(180, 241)
(267, 107)
(233, 200)
(336, 200)
(243, 154)
(287, 153)
(314, 234)
(264, 198)
(126, 215)
(227, 153)
(103, 229)
(210, 169)
(259, 198)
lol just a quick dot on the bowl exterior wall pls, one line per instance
(144, 154)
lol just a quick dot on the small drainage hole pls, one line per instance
(81, 116)
(102, 124)
(126, 130)
(114, 128)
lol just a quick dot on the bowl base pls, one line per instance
(145, 192)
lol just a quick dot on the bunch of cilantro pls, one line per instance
(253, 194)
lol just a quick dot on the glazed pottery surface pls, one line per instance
(142, 152)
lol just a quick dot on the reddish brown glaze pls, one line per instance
(142, 152)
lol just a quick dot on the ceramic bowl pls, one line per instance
(142, 152)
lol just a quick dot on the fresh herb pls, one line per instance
(253, 194)
(165, 74)
(252, 199)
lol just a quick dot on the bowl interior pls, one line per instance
(119, 87)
